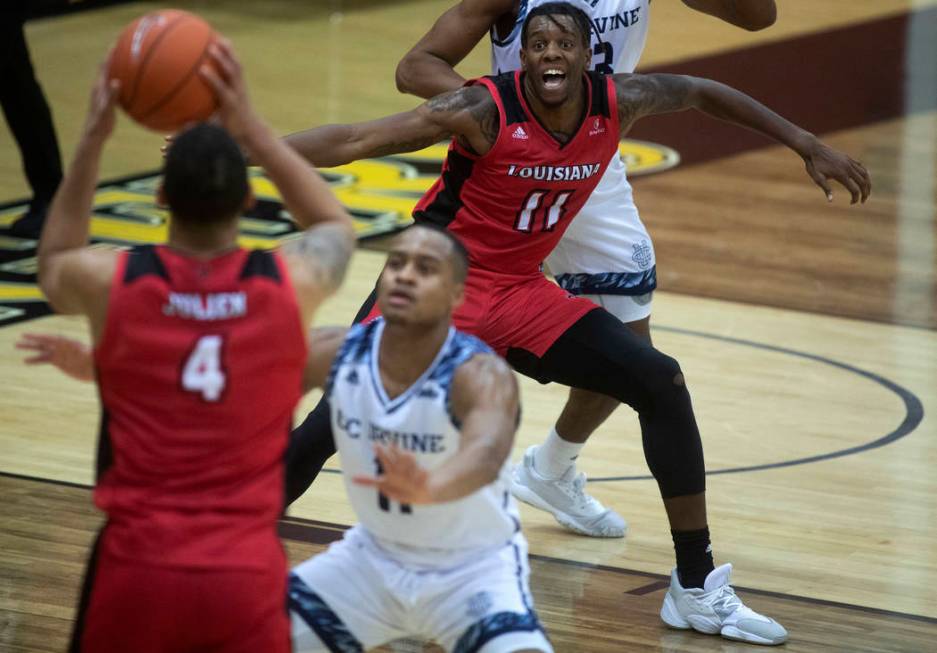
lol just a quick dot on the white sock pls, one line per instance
(554, 457)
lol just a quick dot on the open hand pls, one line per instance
(402, 479)
(824, 163)
(71, 356)
(235, 112)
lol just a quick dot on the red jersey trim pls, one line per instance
(536, 121)
(613, 104)
(502, 121)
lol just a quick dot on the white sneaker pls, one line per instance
(716, 609)
(566, 499)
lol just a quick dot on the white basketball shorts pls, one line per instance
(606, 251)
(354, 597)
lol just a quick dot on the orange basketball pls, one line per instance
(157, 59)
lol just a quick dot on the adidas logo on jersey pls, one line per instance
(520, 134)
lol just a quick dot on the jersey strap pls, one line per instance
(260, 263)
(142, 261)
(462, 348)
(355, 349)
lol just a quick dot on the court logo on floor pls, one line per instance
(379, 193)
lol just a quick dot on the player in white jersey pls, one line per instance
(424, 419)
(606, 253)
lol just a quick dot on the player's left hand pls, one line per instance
(402, 479)
(824, 163)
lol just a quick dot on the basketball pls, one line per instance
(157, 59)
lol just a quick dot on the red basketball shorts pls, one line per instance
(507, 312)
(147, 609)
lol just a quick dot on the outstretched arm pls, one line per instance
(644, 95)
(752, 15)
(428, 69)
(469, 113)
(485, 401)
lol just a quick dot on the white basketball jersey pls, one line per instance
(619, 31)
(418, 421)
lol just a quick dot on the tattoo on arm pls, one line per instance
(325, 251)
(477, 101)
(644, 95)
(486, 114)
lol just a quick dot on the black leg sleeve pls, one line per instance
(601, 354)
(312, 442)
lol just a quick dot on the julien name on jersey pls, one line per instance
(418, 421)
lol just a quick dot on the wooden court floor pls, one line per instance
(806, 331)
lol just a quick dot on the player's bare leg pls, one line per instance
(547, 477)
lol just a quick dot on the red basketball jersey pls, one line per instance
(511, 206)
(200, 368)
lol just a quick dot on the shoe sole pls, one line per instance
(672, 617)
(523, 493)
(733, 633)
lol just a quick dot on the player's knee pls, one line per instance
(664, 380)
(664, 370)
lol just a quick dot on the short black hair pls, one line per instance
(204, 176)
(552, 9)
(460, 255)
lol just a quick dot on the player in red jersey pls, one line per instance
(521, 161)
(607, 254)
(196, 403)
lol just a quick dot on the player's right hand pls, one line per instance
(235, 112)
(72, 357)
(401, 478)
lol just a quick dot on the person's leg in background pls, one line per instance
(30, 119)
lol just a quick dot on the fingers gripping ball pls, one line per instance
(157, 59)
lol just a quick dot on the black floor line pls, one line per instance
(315, 525)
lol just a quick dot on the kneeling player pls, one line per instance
(424, 419)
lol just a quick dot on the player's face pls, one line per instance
(417, 285)
(554, 58)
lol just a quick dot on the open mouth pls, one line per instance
(398, 297)
(553, 78)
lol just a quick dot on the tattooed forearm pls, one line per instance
(644, 95)
(325, 251)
